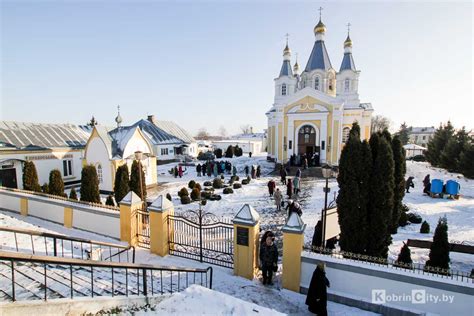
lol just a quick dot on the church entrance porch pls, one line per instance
(307, 147)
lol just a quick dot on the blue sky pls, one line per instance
(212, 63)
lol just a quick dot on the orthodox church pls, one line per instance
(313, 110)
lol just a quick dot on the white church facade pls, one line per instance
(313, 111)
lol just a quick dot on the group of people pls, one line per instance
(254, 171)
(316, 298)
(304, 161)
(178, 171)
(215, 168)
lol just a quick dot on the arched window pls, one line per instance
(307, 132)
(331, 82)
(346, 85)
(99, 173)
(283, 89)
(345, 134)
(316, 83)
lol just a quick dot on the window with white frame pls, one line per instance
(164, 151)
(283, 89)
(67, 167)
(345, 134)
(316, 83)
(99, 173)
(346, 85)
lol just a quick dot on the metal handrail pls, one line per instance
(394, 264)
(148, 279)
(58, 237)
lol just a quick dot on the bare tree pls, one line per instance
(245, 128)
(380, 123)
(202, 134)
(222, 131)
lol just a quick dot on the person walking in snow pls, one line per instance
(296, 185)
(409, 184)
(278, 199)
(198, 169)
(209, 169)
(180, 171)
(268, 258)
(289, 188)
(253, 172)
(175, 171)
(294, 207)
(317, 292)
(283, 175)
(298, 173)
(234, 171)
(427, 184)
(258, 172)
(216, 170)
(250, 154)
(271, 187)
(246, 171)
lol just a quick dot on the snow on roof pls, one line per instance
(247, 215)
(413, 146)
(131, 198)
(294, 224)
(164, 132)
(24, 135)
(422, 130)
(160, 204)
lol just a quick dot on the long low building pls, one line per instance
(253, 146)
(49, 146)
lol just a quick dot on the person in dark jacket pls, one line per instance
(317, 293)
(250, 154)
(175, 171)
(198, 169)
(271, 187)
(283, 174)
(427, 184)
(409, 184)
(246, 171)
(298, 173)
(294, 206)
(258, 172)
(289, 188)
(268, 258)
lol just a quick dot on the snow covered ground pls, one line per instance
(460, 213)
(224, 281)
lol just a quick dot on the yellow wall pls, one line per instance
(24, 206)
(335, 140)
(367, 132)
(68, 217)
(280, 141)
(246, 257)
(292, 247)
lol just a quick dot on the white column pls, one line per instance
(323, 137)
(291, 132)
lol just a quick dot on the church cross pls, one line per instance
(320, 11)
(348, 28)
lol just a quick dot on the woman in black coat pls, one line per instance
(317, 293)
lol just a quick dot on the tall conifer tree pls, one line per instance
(135, 186)
(381, 197)
(121, 184)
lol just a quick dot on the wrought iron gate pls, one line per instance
(202, 236)
(143, 229)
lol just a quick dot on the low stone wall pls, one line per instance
(387, 290)
(90, 217)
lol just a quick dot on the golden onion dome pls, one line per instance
(348, 42)
(320, 27)
(286, 50)
(296, 67)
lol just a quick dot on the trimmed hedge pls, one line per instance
(191, 184)
(195, 194)
(228, 191)
(217, 183)
(237, 185)
(207, 183)
(185, 199)
(414, 218)
(183, 192)
(425, 228)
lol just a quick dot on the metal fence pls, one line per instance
(202, 236)
(42, 278)
(143, 229)
(415, 268)
(51, 244)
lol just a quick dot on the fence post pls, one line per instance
(24, 206)
(128, 217)
(246, 235)
(68, 216)
(159, 233)
(293, 240)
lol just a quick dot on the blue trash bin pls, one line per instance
(452, 187)
(436, 186)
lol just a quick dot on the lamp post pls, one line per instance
(138, 157)
(327, 173)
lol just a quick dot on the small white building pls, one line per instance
(108, 150)
(421, 135)
(169, 140)
(254, 137)
(49, 146)
(412, 150)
